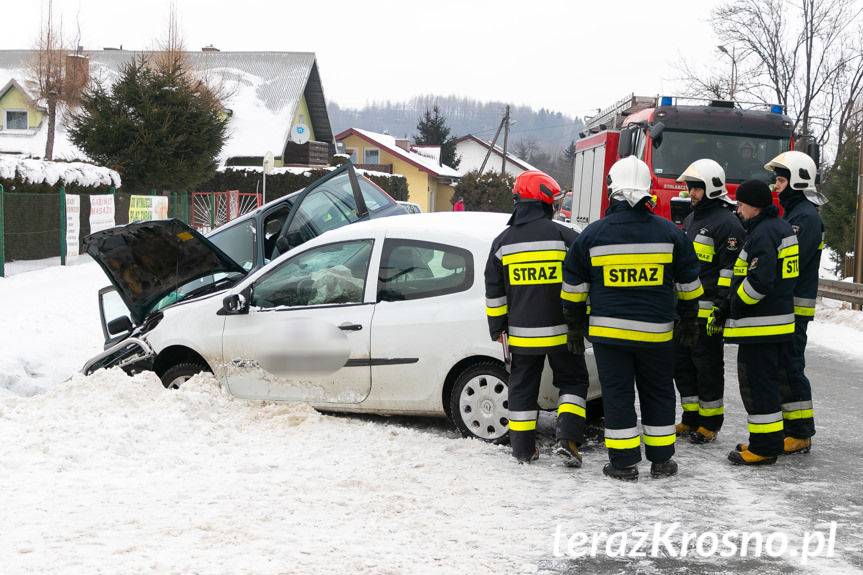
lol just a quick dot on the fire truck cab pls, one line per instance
(668, 137)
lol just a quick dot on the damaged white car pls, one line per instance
(385, 316)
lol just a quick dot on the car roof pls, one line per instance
(483, 226)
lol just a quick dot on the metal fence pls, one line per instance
(33, 225)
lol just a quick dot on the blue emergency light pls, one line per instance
(665, 101)
(776, 109)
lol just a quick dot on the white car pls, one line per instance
(385, 316)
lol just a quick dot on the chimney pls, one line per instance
(77, 73)
(404, 144)
(209, 48)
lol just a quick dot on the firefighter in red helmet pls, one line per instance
(522, 285)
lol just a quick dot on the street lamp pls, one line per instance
(733, 69)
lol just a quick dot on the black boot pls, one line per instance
(567, 451)
(659, 469)
(626, 474)
(527, 458)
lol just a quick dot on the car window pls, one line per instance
(238, 241)
(375, 198)
(413, 270)
(272, 227)
(330, 274)
(567, 202)
(329, 206)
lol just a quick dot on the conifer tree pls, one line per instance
(433, 131)
(840, 212)
(488, 192)
(157, 126)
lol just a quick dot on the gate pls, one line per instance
(213, 209)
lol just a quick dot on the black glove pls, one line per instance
(716, 322)
(576, 330)
(686, 332)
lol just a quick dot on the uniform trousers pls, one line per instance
(758, 374)
(571, 380)
(699, 373)
(796, 390)
(651, 370)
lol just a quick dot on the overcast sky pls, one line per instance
(572, 56)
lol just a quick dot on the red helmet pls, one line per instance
(535, 185)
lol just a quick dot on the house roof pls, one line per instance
(12, 83)
(265, 89)
(498, 151)
(424, 158)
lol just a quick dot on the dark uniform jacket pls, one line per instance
(807, 225)
(717, 236)
(629, 267)
(522, 283)
(762, 304)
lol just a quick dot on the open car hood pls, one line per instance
(148, 260)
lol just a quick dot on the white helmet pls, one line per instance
(802, 171)
(629, 180)
(708, 173)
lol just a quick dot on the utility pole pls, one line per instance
(505, 136)
(858, 229)
(493, 142)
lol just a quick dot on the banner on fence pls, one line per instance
(101, 212)
(73, 225)
(148, 208)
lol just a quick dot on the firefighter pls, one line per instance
(761, 318)
(716, 235)
(631, 265)
(795, 184)
(522, 285)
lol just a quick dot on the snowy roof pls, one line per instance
(498, 151)
(425, 158)
(265, 88)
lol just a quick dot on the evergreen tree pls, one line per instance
(157, 126)
(433, 131)
(488, 192)
(840, 212)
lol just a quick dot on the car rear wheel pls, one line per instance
(179, 374)
(478, 404)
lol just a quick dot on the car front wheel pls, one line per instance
(179, 374)
(479, 402)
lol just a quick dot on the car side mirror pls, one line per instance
(624, 145)
(656, 133)
(237, 303)
(120, 325)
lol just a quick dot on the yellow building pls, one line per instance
(430, 183)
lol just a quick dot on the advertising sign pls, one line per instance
(73, 225)
(101, 212)
(143, 208)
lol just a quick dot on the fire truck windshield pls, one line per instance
(741, 156)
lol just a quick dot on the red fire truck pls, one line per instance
(669, 136)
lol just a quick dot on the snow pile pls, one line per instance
(64, 173)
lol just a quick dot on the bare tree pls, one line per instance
(803, 54)
(526, 147)
(54, 74)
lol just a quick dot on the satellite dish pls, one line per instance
(300, 134)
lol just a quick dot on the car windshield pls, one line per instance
(741, 156)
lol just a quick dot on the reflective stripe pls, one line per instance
(689, 291)
(797, 410)
(495, 307)
(571, 408)
(538, 336)
(522, 425)
(788, 247)
(711, 408)
(705, 309)
(804, 306)
(659, 436)
(496, 311)
(741, 265)
(631, 254)
(523, 415)
(524, 257)
(704, 248)
(725, 276)
(749, 294)
(759, 326)
(622, 438)
(576, 293)
(689, 403)
(765, 423)
(628, 329)
(573, 399)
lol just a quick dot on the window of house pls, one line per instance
(371, 156)
(15, 120)
(352, 152)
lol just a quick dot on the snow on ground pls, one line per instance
(114, 474)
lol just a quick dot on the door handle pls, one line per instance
(350, 327)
